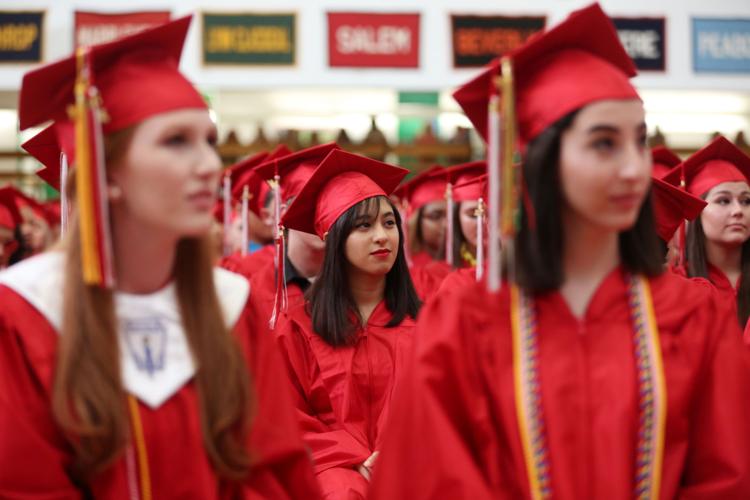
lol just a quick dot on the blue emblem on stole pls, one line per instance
(146, 339)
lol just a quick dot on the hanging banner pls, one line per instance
(21, 36)
(370, 40)
(249, 39)
(97, 27)
(721, 45)
(477, 40)
(645, 41)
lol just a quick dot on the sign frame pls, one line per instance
(415, 50)
(714, 66)
(42, 37)
(240, 65)
(452, 16)
(665, 40)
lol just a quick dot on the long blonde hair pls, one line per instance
(88, 398)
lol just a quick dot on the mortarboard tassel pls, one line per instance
(280, 299)
(493, 175)
(244, 221)
(93, 208)
(510, 170)
(226, 196)
(449, 226)
(63, 195)
(480, 239)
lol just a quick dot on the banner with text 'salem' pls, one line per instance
(92, 28)
(249, 39)
(645, 41)
(21, 36)
(373, 40)
(721, 45)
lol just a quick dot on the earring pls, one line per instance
(114, 192)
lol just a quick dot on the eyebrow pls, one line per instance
(388, 214)
(611, 128)
(717, 193)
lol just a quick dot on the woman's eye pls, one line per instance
(363, 225)
(390, 223)
(745, 202)
(722, 201)
(603, 144)
(176, 140)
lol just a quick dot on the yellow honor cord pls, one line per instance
(140, 448)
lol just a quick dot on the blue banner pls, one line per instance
(721, 45)
(21, 36)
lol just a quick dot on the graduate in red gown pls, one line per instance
(347, 347)
(10, 219)
(276, 291)
(595, 374)
(422, 199)
(288, 172)
(464, 198)
(261, 206)
(129, 367)
(717, 246)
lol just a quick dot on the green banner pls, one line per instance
(249, 39)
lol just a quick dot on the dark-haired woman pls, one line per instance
(348, 345)
(595, 374)
(138, 376)
(717, 245)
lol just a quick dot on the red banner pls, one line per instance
(369, 40)
(95, 27)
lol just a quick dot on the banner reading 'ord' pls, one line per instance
(96, 27)
(369, 40)
(249, 39)
(477, 40)
(21, 36)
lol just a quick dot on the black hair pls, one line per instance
(697, 266)
(335, 316)
(23, 250)
(459, 239)
(539, 250)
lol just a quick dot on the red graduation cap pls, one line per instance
(10, 216)
(663, 160)
(341, 181)
(424, 188)
(472, 188)
(719, 161)
(242, 175)
(19, 200)
(136, 76)
(577, 62)
(45, 147)
(672, 207)
(460, 177)
(294, 169)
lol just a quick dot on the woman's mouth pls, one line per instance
(381, 254)
(204, 199)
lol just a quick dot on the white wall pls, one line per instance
(435, 70)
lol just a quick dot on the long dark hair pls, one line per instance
(697, 266)
(335, 316)
(540, 248)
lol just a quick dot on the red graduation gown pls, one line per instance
(454, 432)
(428, 277)
(263, 295)
(343, 394)
(35, 456)
(249, 264)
